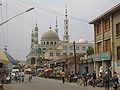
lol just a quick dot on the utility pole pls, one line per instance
(75, 57)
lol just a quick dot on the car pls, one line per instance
(13, 73)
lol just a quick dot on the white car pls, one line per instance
(13, 72)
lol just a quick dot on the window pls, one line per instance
(118, 29)
(107, 24)
(51, 53)
(39, 50)
(66, 38)
(83, 48)
(99, 47)
(66, 27)
(77, 47)
(71, 47)
(47, 43)
(66, 22)
(98, 28)
(64, 53)
(55, 43)
(107, 45)
(66, 33)
(44, 43)
(64, 47)
(57, 54)
(70, 53)
(51, 43)
(118, 53)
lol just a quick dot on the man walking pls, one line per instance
(71, 76)
(94, 78)
(63, 76)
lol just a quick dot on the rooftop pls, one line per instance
(110, 11)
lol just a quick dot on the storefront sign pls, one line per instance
(102, 56)
(118, 63)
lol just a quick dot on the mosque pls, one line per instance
(51, 47)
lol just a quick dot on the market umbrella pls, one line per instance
(48, 70)
(40, 69)
(3, 58)
(10, 58)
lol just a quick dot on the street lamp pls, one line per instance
(17, 15)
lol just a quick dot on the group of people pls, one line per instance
(107, 78)
(19, 76)
(85, 77)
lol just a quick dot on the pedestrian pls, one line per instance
(106, 80)
(71, 76)
(82, 80)
(85, 76)
(30, 77)
(115, 81)
(94, 78)
(63, 76)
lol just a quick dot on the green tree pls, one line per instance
(90, 51)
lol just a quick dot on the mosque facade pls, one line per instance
(51, 47)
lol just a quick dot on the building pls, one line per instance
(107, 40)
(51, 48)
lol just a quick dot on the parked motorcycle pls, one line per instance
(7, 80)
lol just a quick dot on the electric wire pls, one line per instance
(53, 11)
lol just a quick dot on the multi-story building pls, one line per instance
(107, 40)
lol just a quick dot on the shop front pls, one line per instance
(102, 62)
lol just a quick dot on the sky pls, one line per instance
(16, 34)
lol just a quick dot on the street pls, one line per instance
(38, 83)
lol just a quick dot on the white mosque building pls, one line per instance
(51, 47)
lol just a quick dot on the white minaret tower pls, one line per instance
(66, 35)
(36, 34)
(56, 27)
(32, 38)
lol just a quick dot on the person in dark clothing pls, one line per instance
(63, 76)
(71, 76)
(115, 82)
(85, 78)
(94, 78)
(106, 80)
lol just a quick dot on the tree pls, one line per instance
(90, 50)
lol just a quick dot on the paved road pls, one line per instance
(46, 84)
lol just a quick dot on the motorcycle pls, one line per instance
(8, 80)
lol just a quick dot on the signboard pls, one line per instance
(118, 63)
(102, 56)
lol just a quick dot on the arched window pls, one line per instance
(51, 43)
(55, 43)
(47, 43)
(44, 43)
(39, 50)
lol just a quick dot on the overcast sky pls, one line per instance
(16, 34)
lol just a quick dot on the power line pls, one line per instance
(54, 12)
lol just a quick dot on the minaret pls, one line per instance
(56, 27)
(66, 35)
(50, 27)
(32, 38)
(36, 34)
